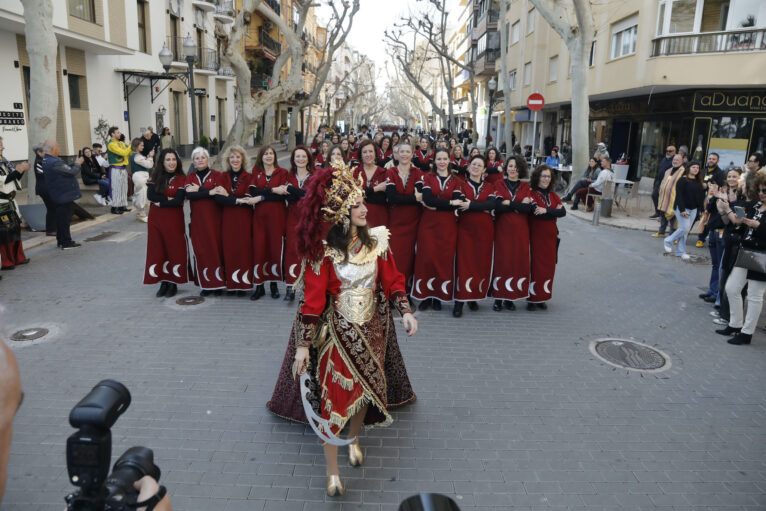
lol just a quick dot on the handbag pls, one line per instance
(750, 259)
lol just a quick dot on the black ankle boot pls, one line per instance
(163, 289)
(728, 330)
(259, 292)
(509, 305)
(474, 306)
(740, 338)
(436, 304)
(205, 292)
(274, 290)
(287, 293)
(425, 304)
(292, 294)
(531, 306)
(218, 292)
(497, 306)
(457, 309)
(172, 290)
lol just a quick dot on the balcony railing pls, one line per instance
(710, 42)
(207, 59)
(268, 42)
(225, 9)
(260, 81)
(274, 4)
(226, 71)
(485, 61)
(491, 16)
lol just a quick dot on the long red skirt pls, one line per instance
(403, 224)
(377, 214)
(510, 277)
(11, 254)
(292, 262)
(269, 221)
(475, 236)
(237, 234)
(167, 253)
(435, 261)
(542, 243)
(205, 234)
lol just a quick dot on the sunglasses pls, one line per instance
(762, 190)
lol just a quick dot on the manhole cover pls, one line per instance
(190, 300)
(29, 334)
(628, 354)
(102, 236)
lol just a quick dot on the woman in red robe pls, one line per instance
(476, 233)
(375, 184)
(458, 165)
(422, 155)
(494, 166)
(437, 235)
(510, 272)
(543, 236)
(269, 217)
(236, 221)
(301, 166)
(343, 334)
(323, 157)
(385, 152)
(167, 253)
(205, 226)
(404, 185)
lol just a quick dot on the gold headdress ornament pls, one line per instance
(342, 194)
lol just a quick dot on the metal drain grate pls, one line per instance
(190, 300)
(628, 354)
(101, 237)
(29, 334)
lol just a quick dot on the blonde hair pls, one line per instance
(239, 149)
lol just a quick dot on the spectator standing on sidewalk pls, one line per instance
(118, 154)
(167, 141)
(667, 197)
(665, 164)
(689, 198)
(64, 190)
(11, 251)
(151, 142)
(712, 175)
(731, 240)
(715, 227)
(140, 166)
(41, 190)
(92, 174)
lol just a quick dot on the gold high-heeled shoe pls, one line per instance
(334, 486)
(355, 456)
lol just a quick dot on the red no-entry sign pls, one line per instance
(535, 102)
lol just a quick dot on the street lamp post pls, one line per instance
(492, 86)
(190, 55)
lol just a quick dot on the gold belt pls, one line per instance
(357, 304)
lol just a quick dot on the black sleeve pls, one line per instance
(680, 192)
(434, 202)
(202, 193)
(15, 174)
(255, 191)
(394, 198)
(295, 193)
(273, 197)
(226, 200)
(486, 205)
(162, 200)
(518, 207)
(374, 197)
(553, 213)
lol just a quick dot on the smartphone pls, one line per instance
(739, 211)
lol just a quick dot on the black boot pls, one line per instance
(728, 330)
(274, 290)
(542, 306)
(509, 305)
(163, 289)
(497, 306)
(259, 292)
(424, 305)
(241, 293)
(740, 338)
(218, 292)
(457, 309)
(117, 211)
(205, 292)
(436, 304)
(292, 294)
(287, 293)
(531, 306)
(172, 290)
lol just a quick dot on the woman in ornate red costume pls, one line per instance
(543, 236)
(270, 183)
(476, 233)
(510, 273)
(167, 253)
(347, 343)
(437, 235)
(405, 183)
(236, 220)
(301, 166)
(375, 183)
(205, 226)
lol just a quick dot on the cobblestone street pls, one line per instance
(513, 410)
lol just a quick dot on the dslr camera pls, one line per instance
(89, 451)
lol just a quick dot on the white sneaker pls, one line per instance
(715, 314)
(99, 199)
(685, 257)
(719, 321)
(667, 248)
(143, 219)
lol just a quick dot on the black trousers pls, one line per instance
(63, 221)
(580, 184)
(50, 211)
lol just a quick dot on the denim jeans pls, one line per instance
(103, 188)
(680, 234)
(715, 246)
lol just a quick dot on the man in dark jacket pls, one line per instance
(151, 142)
(41, 190)
(665, 164)
(712, 174)
(63, 189)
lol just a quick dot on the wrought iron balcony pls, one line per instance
(275, 5)
(224, 12)
(260, 81)
(207, 60)
(268, 42)
(485, 62)
(710, 42)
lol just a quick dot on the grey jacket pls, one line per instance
(61, 180)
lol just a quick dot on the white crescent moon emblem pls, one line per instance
(430, 282)
(520, 283)
(204, 274)
(468, 285)
(292, 271)
(481, 285)
(444, 287)
(274, 270)
(545, 286)
(417, 286)
(244, 277)
(234, 276)
(508, 285)
(218, 274)
(265, 269)
(165, 267)
(494, 284)
(532, 288)
(175, 270)
(255, 271)
(152, 272)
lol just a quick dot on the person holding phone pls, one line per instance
(690, 198)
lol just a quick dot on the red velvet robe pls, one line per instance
(167, 251)
(543, 236)
(403, 221)
(269, 219)
(237, 235)
(377, 214)
(292, 261)
(510, 274)
(422, 159)
(205, 234)
(476, 232)
(494, 171)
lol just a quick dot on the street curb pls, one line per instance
(588, 217)
(76, 228)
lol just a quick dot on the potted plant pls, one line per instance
(204, 142)
(214, 146)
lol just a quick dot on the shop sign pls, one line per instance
(731, 101)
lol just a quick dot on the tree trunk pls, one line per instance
(580, 103)
(294, 119)
(41, 47)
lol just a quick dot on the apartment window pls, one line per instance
(682, 16)
(512, 80)
(141, 11)
(83, 9)
(527, 73)
(515, 31)
(624, 37)
(76, 96)
(553, 69)
(530, 21)
(592, 56)
(482, 45)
